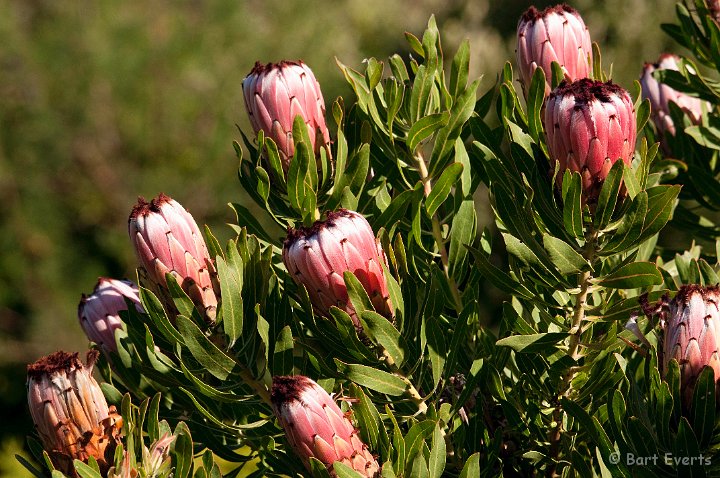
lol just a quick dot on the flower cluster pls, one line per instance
(589, 124)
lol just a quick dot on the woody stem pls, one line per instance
(258, 387)
(411, 390)
(576, 329)
(437, 234)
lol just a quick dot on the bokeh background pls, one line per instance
(105, 100)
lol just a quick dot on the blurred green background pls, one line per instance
(105, 100)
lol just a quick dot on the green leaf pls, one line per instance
(371, 378)
(437, 348)
(416, 436)
(533, 343)
(245, 218)
(437, 453)
(472, 467)
(686, 446)
(558, 75)
(398, 443)
(273, 157)
(396, 210)
(609, 195)
(642, 114)
(424, 128)
(180, 298)
(498, 277)
(462, 234)
(231, 283)
(703, 406)
(462, 157)
(572, 201)
(382, 332)
(460, 69)
(631, 226)
(387, 470)
(420, 93)
(661, 200)
(441, 188)
(182, 449)
(372, 430)
(461, 111)
(633, 275)
(204, 351)
(344, 471)
(563, 256)
(29, 467)
(357, 294)
(85, 471)
(631, 183)
(318, 469)
(283, 353)
(153, 426)
(535, 99)
(419, 467)
(157, 315)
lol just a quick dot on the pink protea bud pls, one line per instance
(660, 95)
(278, 92)
(318, 256)
(691, 333)
(713, 7)
(316, 427)
(167, 240)
(70, 411)
(99, 313)
(590, 125)
(555, 34)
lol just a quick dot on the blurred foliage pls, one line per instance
(103, 100)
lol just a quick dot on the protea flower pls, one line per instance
(660, 95)
(278, 92)
(316, 427)
(590, 125)
(99, 313)
(318, 256)
(167, 240)
(70, 411)
(555, 34)
(691, 333)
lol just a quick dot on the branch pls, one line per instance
(576, 330)
(437, 234)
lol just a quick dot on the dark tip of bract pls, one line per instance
(293, 234)
(686, 291)
(287, 388)
(60, 361)
(586, 90)
(532, 14)
(143, 208)
(262, 68)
